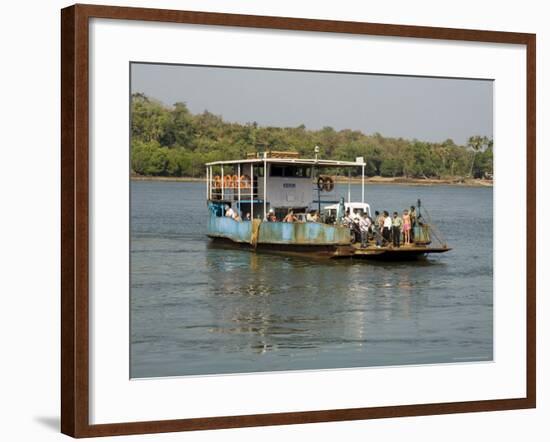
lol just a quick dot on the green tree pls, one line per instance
(178, 128)
(478, 144)
(149, 119)
(149, 158)
(171, 141)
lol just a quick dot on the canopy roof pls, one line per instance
(294, 161)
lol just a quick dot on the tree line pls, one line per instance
(171, 141)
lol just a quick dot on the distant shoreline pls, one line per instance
(452, 181)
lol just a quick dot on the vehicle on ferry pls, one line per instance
(279, 202)
(334, 211)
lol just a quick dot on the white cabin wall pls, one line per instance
(287, 192)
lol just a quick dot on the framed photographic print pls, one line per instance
(272, 220)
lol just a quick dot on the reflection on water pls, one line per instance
(202, 309)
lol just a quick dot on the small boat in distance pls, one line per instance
(278, 202)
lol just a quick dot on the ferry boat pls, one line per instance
(279, 202)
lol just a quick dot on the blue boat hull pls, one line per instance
(298, 235)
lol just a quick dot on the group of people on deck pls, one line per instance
(385, 229)
(312, 216)
(397, 229)
(234, 214)
(392, 230)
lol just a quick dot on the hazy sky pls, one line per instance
(430, 109)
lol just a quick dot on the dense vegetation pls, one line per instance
(171, 141)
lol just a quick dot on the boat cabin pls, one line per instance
(275, 182)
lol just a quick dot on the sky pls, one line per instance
(425, 108)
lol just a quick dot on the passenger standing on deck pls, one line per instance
(346, 221)
(271, 216)
(387, 226)
(379, 219)
(397, 224)
(290, 218)
(372, 227)
(412, 214)
(406, 227)
(364, 225)
(377, 228)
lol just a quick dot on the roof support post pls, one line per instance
(210, 192)
(349, 185)
(251, 191)
(363, 183)
(207, 183)
(265, 189)
(239, 188)
(223, 182)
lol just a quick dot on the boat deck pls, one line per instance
(389, 252)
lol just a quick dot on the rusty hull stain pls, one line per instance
(278, 232)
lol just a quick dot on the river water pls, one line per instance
(197, 309)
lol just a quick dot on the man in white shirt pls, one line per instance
(229, 212)
(364, 225)
(387, 226)
(346, 220)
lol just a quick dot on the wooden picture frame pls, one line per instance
(75, 379)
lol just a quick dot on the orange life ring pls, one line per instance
(227, 181)
(235, 181)
(320, 183)
(245, 181)
(217, 182)
(325, 183)
(328, 184)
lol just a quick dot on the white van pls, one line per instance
(355, 208)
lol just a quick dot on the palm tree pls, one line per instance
(477, 144)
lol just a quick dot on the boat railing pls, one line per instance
(233, 188)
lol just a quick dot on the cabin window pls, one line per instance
(277, 170)
(301, 171)
(290, 171)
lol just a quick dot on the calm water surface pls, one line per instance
(198, 309)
